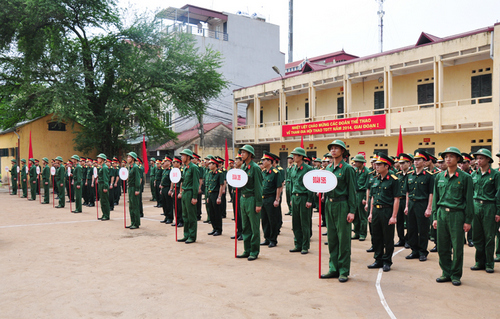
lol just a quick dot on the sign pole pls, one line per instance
(39, 192)
(53, 192)
(176, 220)
(19, 183)
(8, 180)
(69, 180)
(236, 223)
(96, 200)
(124, 209)
(319, 225)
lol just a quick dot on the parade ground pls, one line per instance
(55, 264)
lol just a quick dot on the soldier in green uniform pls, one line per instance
(33, 178)
(340, 211)
(176, 193)
(45, 180)
(13, 177)
(282, 173)
(24, 179)
(165, 191)
(189, 195)
(196, 161)
(117, 182)
(103, 183)
(302, 200)
(453, 210)
(419, 188)
(143, 182)
(369, 182)
(383, 212)
(251, 205)
(405, 162)
(271, 194)
(361, 216)
(214, 185)
(486, 210)
(37, 165)
(134, 190)
(466, 167)
(89, 183)
(238, 163)
(152, 177)
(60, 179)
(78, 182)
(497, 250)
(288, 184)
(158, 176)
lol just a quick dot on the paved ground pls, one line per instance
(55, 264)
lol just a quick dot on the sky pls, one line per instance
(324, 26)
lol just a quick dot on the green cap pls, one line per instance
(23, 160)
(46, 160)
(76, 157)
(187, 152)
(453, 150)
(299, 151)
(103, 156)
(151, 159)
(338, 143)
(13, 161)
(32, 160)
(134, 156)
(291, 156)
(249, 149)
(59, 158)
(484, 152)
(359, 158)
(317, 159)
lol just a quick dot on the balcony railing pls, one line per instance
(203, 32)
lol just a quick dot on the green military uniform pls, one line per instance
(341, 202)
(91, 189)
(24, 184)
(13, 177)
(142, 181)
(190, 186)
(486, 207)
(103, 183)
(60, 178)
(33, 179)
(158, 177)
(202, 187)
(251, 197)
(46, 182)
(361, 217)
(418, 187)
(452, 207)
(271, 216)
(213, 181)
(288, 189)
(401, 217)
(134, 185)
(167, 201)
(78, 182)
(152, 177)
(301, 215)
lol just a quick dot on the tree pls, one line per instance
(75, 58)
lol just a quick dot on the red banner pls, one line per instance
(365, 123)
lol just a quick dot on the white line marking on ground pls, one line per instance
(381, 294)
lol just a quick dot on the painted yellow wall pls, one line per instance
(326, 101)
(457, 79)
(296, 106)
(270, 108)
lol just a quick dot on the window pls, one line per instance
(307, 110)
(476, 148)
(425, 94)
(55, 126)
(340, 107)
(481, 86)
(4, 152)
(261, 115)
(381, 150)
(311, 154)
(378, 102)
(286, 113)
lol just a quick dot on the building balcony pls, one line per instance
(194, 30)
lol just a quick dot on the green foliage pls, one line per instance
(76, 59)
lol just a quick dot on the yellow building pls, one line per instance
(48, 138)
(441, 91)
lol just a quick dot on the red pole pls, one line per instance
(8, 181)
(39, 193)
(319, 225)
(19, 184)
(236, 223)
(53, 192)
(124, 211)
(69, 181)
(96, 200)
(176, 220)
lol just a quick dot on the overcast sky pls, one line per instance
(326, 26)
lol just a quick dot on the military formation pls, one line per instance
(451, 200)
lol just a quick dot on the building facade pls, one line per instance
(440, 91)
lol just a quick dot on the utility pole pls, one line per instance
(290, 31)
(381, 14)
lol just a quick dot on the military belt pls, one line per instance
(361, 191)
(480, 201)
(418, 200)
(382, 206)
(447, 209)
(338, 199)
(247, 195)
(268, 195)
(300, 194)
(216, 191)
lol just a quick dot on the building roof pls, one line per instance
(21, 124)
(189, 136)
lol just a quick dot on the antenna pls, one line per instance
(381, 14)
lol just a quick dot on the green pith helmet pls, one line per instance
(46, 160)
(151, 159)
(134, 156)
(103, 156)
(359, 158)
(13, 161)
(32, 160)
(249, 149)
(76, 157)
(453, 150)
(291, 156)
(299, 151)
(59, 158)
(23, 160)
(187, 152)
(484, 152)
(338, 143)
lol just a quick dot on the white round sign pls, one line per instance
(236, 177)
(52, 171)
(38, 170)
(320, 181)
(26, 169)
(18, 170)
(123, 174)
(7, 169)
(95, 172)
(69, 171)
(175, 175)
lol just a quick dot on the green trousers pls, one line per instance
(133, 207)
(361, 217)
(215, 211)
(25, 189)
(61, 191)
(301, 222)
(288, 193)
(78, 199)
(153, 189)
(339, 237)
(13, 184)
(46, 193)
(382, 235)
(250, 222)
(450, 235)
(33, 189)
(418, 227)
(189, 215)
(104, 200)
(484, 232)
(271, 221)
(497, 251)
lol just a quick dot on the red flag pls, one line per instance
(400, 142)
(30, 153)
(302, 141)
(145, 155)
(226, 160)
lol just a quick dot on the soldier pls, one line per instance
(419, 190)
(466, 163)
(134, 190)
(288, 184)
(143, 181)
(24, 179)
(215, 184)
(271, 198)
(45, 180)
(33, 179)
(205, 172)
(176, 193)
(103, 183)
(37, 164)
(117, 182)
(238, 162)
(405, 162)
(223, 195)
(89, 183)
(78, 182)
(301, 204)
(453, 210)
(486, 210)
(152, 178)
(158, 176)
(189, 195)
(166, 192)
(251, 204)
(361, 217)
(497, 250)
(340, 212)
(60, 180)
(383, 212)
(369, 182)
(13, 176)
(196, 161)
